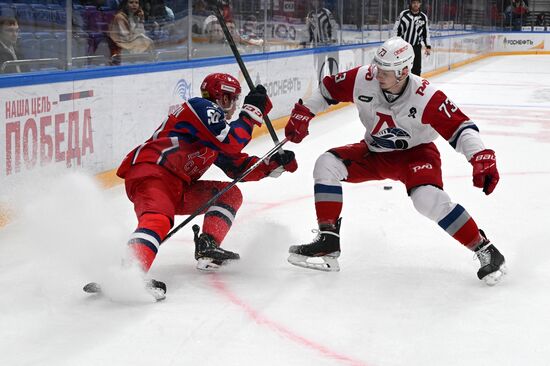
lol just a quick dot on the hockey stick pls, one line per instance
(157, 288)
(215, 6)
(208, 203)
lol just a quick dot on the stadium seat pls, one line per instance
(25, 35)
(42, 15)
(6, 10)
(79, 46)
(43, 35)
(49, 48)
(23, 13)
(30, 48)
(58, 15)
(60, 35)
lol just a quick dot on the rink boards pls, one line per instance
(90, 119)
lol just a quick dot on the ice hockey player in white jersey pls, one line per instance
(403, 114)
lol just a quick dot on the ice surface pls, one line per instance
(407, 294)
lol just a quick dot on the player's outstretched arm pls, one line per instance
(233, 166)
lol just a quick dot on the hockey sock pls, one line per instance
(146, 239)
(436, 205)
(459, 224)
(328, 203)
(220, 216)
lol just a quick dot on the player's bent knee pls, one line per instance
(233, 197)
(431, 202)
(329, 168)
(158, 223)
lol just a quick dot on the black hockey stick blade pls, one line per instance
(92, 288)
(156, 288)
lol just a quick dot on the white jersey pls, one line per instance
(418, 116)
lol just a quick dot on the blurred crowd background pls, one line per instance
(65, 34)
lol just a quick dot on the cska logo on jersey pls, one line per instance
(387, 135)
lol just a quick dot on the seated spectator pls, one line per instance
(250, 29)
(200, 8)
(214, 33)
(496, 15)
(9, 30)
(158, 17)
(213, 30)
(508, 16)
(541, 20)
(519, 11)
(127, 31)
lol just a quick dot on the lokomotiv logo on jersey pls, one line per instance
(387, 135)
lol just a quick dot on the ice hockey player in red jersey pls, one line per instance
(403, 114)
(162, 175)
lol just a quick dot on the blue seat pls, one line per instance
(6, 10)
(25, 35)
(61, 3)
(42, 15)
(79, 20)
(49, 48)
(60, 35)
(30, 48)
(23, 13)
(42, 35)
(79, 46)
(25, 16)
(57, 14)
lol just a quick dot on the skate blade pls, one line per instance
(328, 264)
(493, 278)
(209, 265)
(157, 293)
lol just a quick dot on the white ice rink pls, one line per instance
(407, 294)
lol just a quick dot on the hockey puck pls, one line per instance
(387, 188)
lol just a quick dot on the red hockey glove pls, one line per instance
(296, 128)
(257, 104)
(485, 170)
(280, 163)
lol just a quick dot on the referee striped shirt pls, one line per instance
(413, 28)
(322, 26)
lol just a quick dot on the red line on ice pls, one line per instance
(219, 285)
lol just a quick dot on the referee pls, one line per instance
(321, 25)
(412, 26)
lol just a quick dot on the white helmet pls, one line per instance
(395, 54)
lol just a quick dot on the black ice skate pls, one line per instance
(207, 253)
(322, 253)
(493, 266)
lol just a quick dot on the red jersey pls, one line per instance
(193, 138)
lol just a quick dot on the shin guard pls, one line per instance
(219, 218)
(145, 240)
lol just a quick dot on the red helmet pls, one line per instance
(214, 86)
